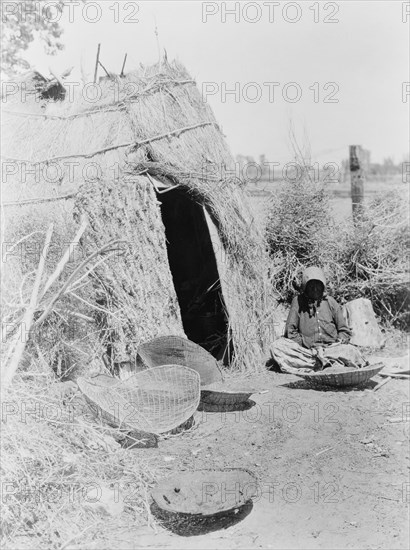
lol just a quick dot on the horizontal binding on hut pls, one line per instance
(147, 164)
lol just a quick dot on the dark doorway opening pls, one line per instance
(195, 274)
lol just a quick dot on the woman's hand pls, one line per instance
(318, 354)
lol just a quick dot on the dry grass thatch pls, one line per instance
(75, 160)
(67, 481)
(103, 158)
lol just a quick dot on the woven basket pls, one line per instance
(154, 401)
(205, 492)
(216, 395)
(346, 377)
(185, 426)
(175, 350)
(188, 525)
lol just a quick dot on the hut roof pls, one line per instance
(147, 127)
(157, 112)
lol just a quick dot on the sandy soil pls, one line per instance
(332, 467)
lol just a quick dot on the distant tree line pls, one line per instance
(375, 169)
(262, 169)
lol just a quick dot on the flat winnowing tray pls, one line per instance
(155, 401)
(205, 492)
(175, 350)
(345, 377)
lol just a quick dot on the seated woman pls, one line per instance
(314, 323)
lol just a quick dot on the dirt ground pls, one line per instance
(332, 467)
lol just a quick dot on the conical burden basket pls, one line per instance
(154, 401)
(175, 350)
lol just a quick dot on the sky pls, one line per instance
(335, 71)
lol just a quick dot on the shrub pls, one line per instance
(367, 259)
(298, 224)
(374, 257)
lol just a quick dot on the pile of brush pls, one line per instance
(373, 258)
(368, 258)
(67, 481)
(298, 225)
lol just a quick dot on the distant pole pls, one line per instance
(357, 178)
(123, 65)
(96, 63)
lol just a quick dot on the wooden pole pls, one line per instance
(123, 65)
(25, 327)
(96, 63)
(357, 178)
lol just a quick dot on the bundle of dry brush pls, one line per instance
(369, 258)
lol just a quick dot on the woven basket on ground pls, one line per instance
(175, 350)
(154, 401)
(343, 376)
(196, 503)
(215, 394)
(205, 492)
(189, 525)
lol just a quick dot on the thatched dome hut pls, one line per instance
(142, 158)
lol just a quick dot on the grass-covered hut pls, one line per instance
(143, 160)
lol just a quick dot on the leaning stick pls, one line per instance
(28, 316)
(96, 63)
(61, 264)
(106, 248)
(394, 375)
(77, 284)
(106, 72)
(382, 383)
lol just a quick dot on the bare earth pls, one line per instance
(333, 467)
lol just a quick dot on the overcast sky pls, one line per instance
(359, 61)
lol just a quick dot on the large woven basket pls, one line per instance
(196, 503)
(345, 377)
(189, 525)
(175, 350)
(154, 401)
